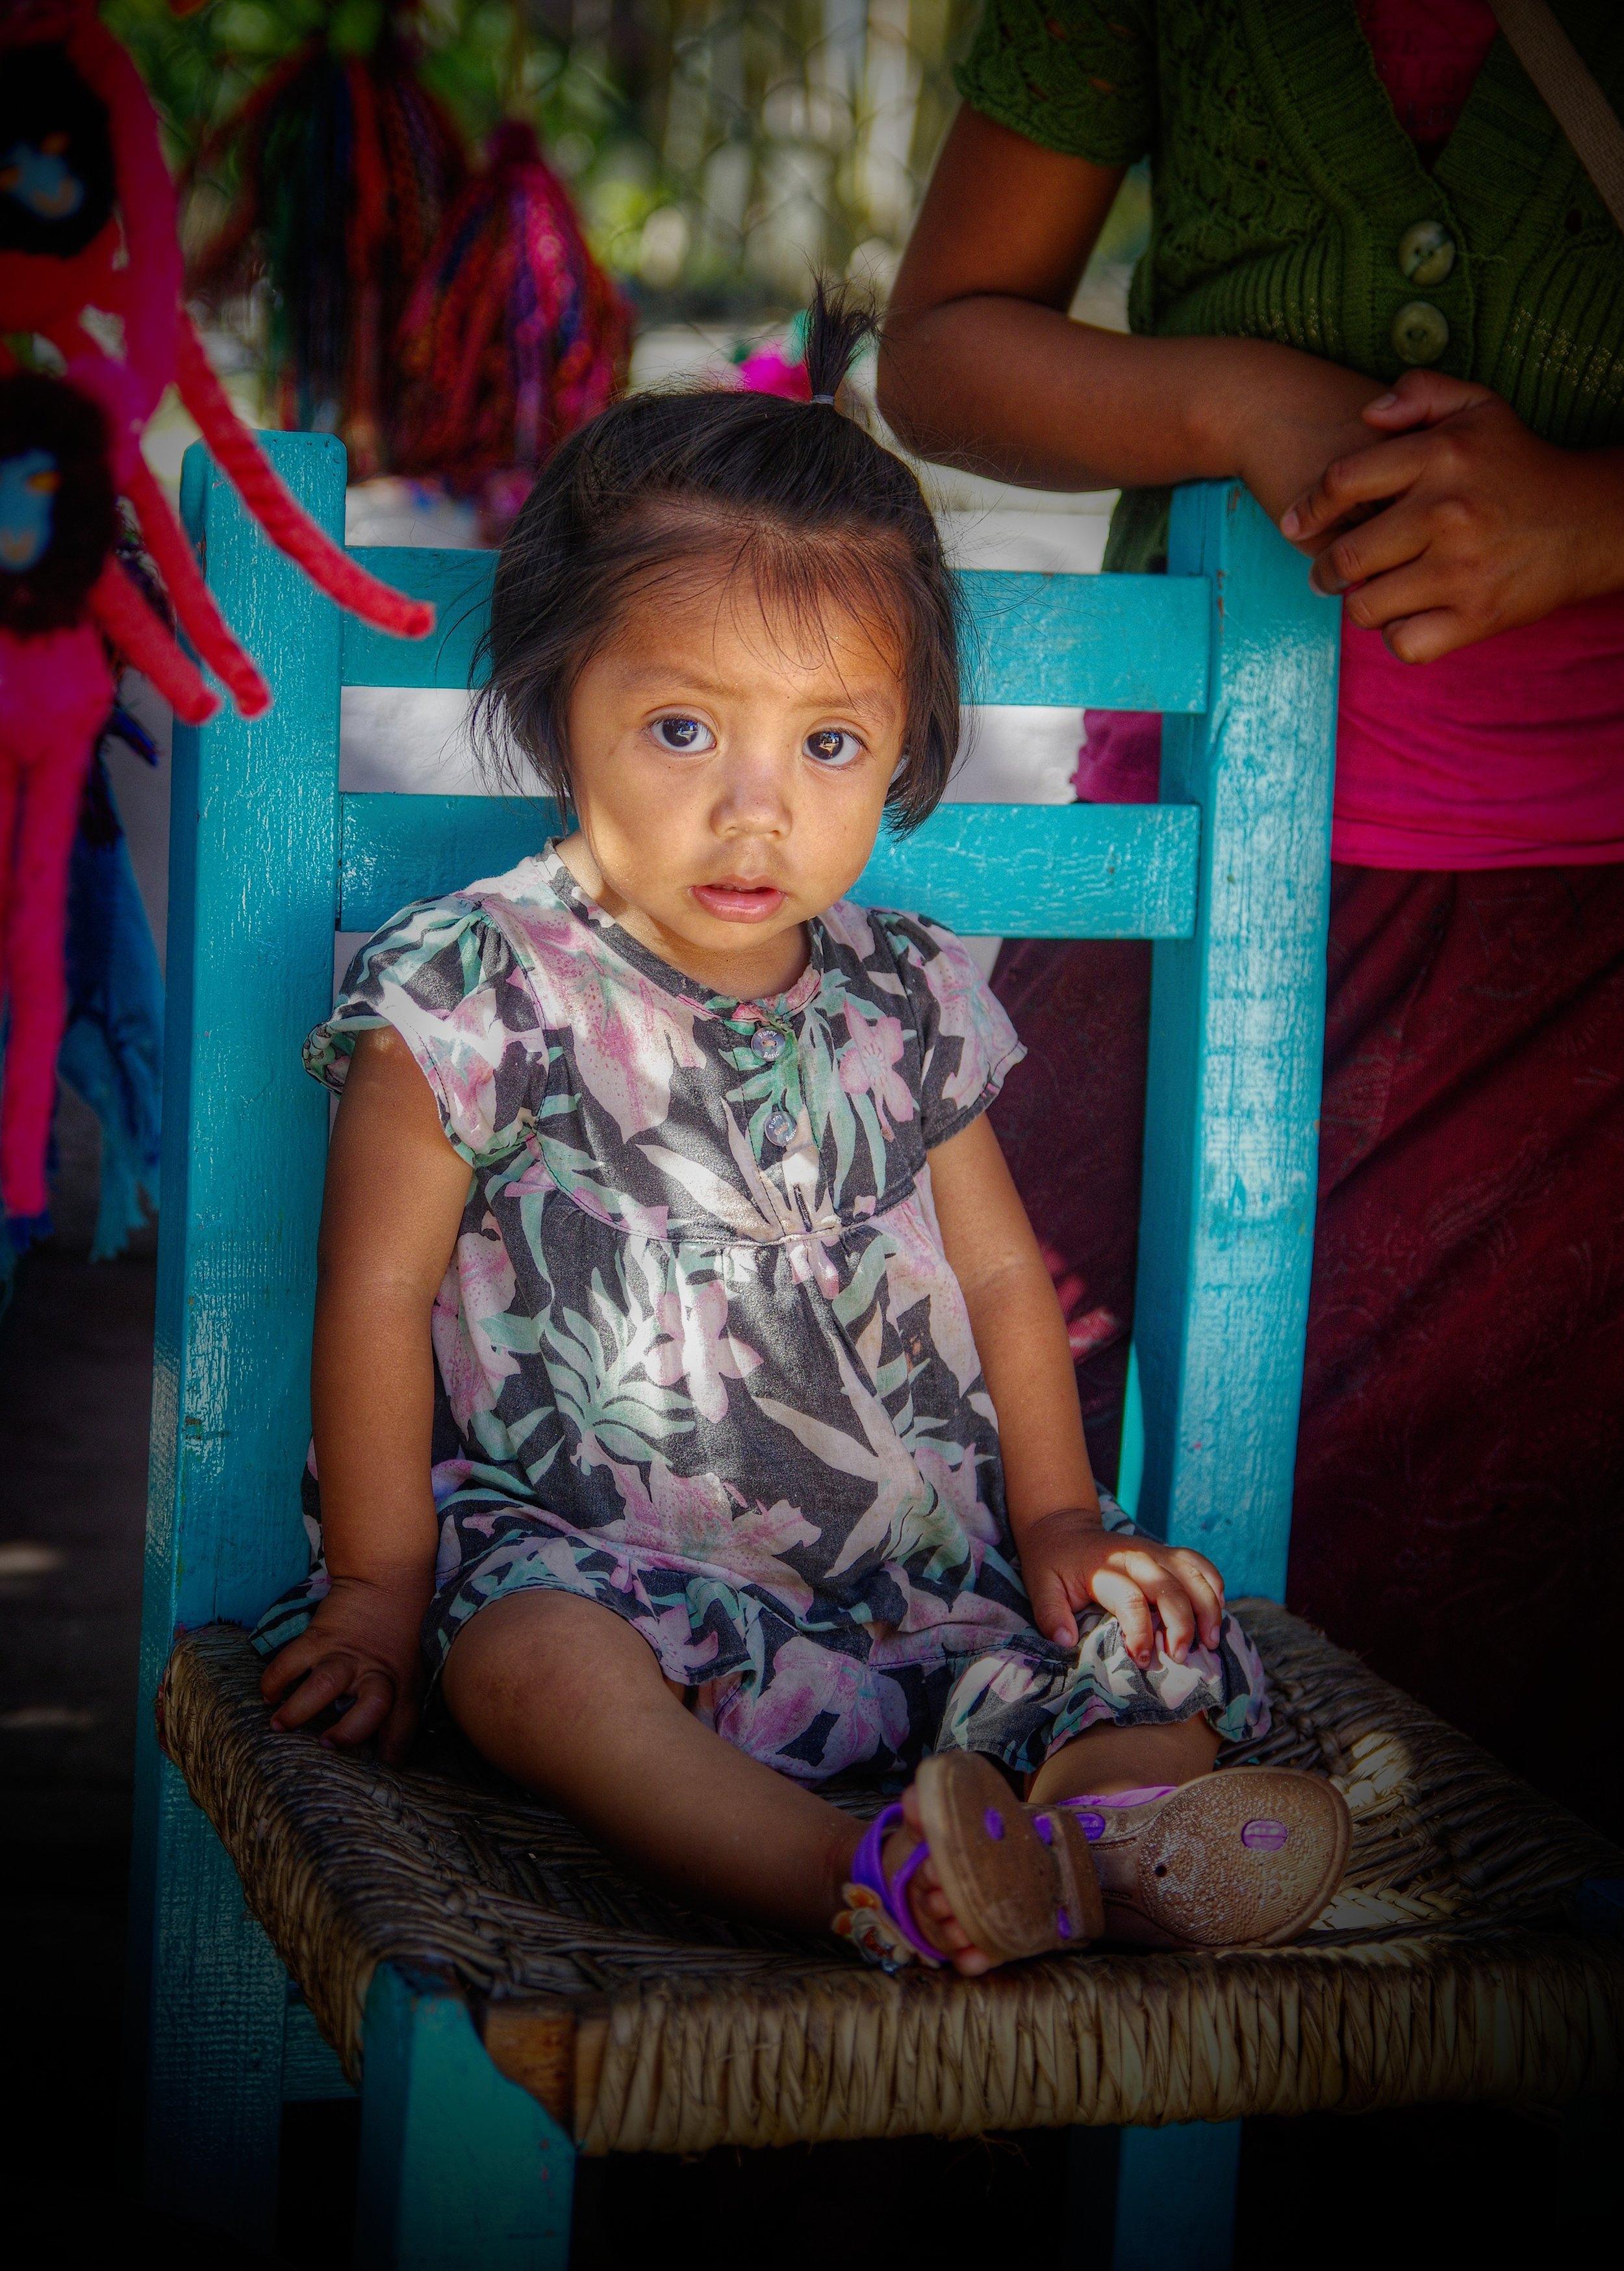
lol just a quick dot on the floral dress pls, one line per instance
(701, 1358)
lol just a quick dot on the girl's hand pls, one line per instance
(1459, 523)
(1069, 1561)
(362, 1643)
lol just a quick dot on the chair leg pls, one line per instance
(212, 2121)
(1175, 2195)
(460, 2169)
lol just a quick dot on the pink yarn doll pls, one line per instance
(87, 221)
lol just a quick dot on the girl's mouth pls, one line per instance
(745, 903)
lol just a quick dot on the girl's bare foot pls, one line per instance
(930, 1908)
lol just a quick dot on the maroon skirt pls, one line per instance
(1459, 1508)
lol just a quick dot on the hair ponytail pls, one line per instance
(837, 326)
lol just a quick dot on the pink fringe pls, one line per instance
(135, 631)
(194, 603)
(291, 530)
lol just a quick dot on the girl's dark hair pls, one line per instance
(793, 495)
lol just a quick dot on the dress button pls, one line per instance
(780, 1128)
(1427, 253)
(767, 1045)
(1420, 333)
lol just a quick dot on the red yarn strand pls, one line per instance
(289, 528)
(144, 643)
(193, 601)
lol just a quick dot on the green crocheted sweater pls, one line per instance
(1283, 185)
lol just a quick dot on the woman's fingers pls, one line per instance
(1421, 397)
(1361, 481)
(1349, 484)
(1429, 633)
(1388, 541)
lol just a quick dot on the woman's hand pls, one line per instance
(1070, 1562)
(363, 1643)
(1459, 523)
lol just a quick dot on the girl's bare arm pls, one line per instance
(394, 1199)
(1067, 1558)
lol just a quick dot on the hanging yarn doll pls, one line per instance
(345, 165)
(513, 337)
(88, 222)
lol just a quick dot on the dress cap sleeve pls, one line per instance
(1077, 75)
(967, 1044)
(445, 977)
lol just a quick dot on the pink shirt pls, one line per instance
(1508, 754)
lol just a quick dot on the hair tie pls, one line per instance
(829, 398)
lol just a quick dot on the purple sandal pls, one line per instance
(1019, 1878)
(1245, 1857)
(1248, 1856)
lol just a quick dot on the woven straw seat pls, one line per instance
(1449, 1967)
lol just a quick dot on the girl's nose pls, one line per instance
(754, 797)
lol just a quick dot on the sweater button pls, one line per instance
(1420, 333)
(1427, 253)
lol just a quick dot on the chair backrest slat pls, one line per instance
(1009, 871)
(1069, 642)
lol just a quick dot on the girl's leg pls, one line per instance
(1102, 1759)
(1105, 1758)
(567, 1699)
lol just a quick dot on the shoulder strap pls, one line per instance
(1569, 92)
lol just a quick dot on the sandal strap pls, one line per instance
(1088, 1812)
(868, 1868)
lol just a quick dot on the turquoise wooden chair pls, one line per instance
(1230, 876)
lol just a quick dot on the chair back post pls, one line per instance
(254, 857)
(255, 842)
(1237, 1034)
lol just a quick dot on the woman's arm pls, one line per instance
(1067, 1557)
(1441, 512)
(981, 366)
(394, 1200)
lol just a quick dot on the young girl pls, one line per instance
(688, 1386)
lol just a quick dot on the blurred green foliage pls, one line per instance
(718, 149)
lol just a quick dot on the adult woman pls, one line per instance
(1382, 290)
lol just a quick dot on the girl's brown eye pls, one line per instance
(684, 734)
(831, 745)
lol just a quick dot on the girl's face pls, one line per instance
(730, 773)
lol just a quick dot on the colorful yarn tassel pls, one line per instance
(346, 165)
(513, 337)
